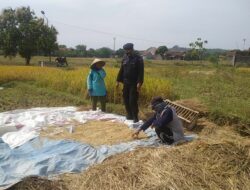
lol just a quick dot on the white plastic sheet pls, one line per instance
(31, 121)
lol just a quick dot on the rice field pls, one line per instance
(218, 159)
(224, 90)
(74, 81)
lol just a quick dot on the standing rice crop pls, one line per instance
(74, 81)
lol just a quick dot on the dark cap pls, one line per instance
(128, 46)
(156, 100)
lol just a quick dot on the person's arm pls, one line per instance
(140, 71)
(89, 81)
(148, 123)
(164, 119)
(102, 73)
(144, 126)
(120, 74)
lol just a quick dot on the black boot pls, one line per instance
(135, 120)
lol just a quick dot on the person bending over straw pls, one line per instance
(165, 121)
(96, 85)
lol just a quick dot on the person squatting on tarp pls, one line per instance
(165, 121)
(131, 74)
(96, 85)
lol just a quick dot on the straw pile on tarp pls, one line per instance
(219, 159)
(93, 132)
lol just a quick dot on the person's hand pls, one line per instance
(117, 85)
(135, 134)
(138, 87)
(152, 126)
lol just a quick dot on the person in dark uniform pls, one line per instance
(131, 74)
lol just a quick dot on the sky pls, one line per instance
(146, 23)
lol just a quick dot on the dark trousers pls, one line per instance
(130, 98)
(165, 134)
(102, 100)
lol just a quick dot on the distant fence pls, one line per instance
(52, 64)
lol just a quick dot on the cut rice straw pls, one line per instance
(93, 132)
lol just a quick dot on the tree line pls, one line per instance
(23, 33)
(82, 51)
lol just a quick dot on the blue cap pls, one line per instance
(128, 46)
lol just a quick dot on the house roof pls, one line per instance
(149, 51)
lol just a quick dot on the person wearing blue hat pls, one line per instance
(131, 74)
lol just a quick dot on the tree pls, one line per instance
(29, 28)
(9, 33)
(104, 52)
(214, 59)
(198, 48)
(81, 47)
(162, 51)
(81, 50)
(91, 52)
(120, 52)
(47, 42)
(22, 32)
(62, 46)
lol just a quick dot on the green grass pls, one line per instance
(18, 95)
(21, 95)
(224, 90)
(73, 61)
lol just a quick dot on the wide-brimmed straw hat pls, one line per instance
(97, 61)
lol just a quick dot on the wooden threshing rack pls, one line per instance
(188, 116)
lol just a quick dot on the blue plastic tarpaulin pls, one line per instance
(43, 157)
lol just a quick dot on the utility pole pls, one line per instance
(244, 42)
(114, 43)
(43, 13)
(114, 47)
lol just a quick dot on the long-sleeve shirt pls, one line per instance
(95, 82)
(132, 70)
(159, 120)
(167, 118)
